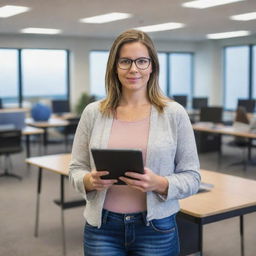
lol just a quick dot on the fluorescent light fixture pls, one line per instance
(50, 31)
(161, 27)
(228, 34)
(244, 16)
(201, 4)
(108, 17)
(11, 10)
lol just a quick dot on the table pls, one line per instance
(230, 197)
(57, 164)
(225, 130)
(51, 123)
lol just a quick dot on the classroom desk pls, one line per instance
(230, 197)
(27, 131)
(53, 122)
(226, 130)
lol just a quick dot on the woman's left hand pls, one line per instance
(149, 181)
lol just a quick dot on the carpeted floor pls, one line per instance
(17, 213)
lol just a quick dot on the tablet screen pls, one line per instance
(117, 162)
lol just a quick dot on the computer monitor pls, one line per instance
(199, 102)
(60, 106)
(211, 114)
(181, 99)
(249, 105)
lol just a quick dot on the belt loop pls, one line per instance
(144, 215)
(105, 216)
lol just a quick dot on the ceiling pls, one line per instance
(64, 15)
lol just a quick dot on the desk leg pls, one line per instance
(45, 138)
(200, 233)
(39, 181)
(27, 146)
(242, 234)
(62, 212)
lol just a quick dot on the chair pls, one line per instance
(199, 102)
(1, 103)
(249, 105)
(209, 142)
(10, 143)
(181, 99)
(242, 123)
(70, 129)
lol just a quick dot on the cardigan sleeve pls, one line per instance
(185, 179)
(80, 158)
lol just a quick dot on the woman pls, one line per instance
(137, 218)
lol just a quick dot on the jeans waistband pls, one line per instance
(124, 217)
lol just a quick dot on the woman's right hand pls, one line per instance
(93, 181)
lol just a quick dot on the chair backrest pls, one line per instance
(181, 99)
(249, 105)
(211, 114)
(60, 106)
(1, 103)
(72, 125)
(199, 102)
(10, 141)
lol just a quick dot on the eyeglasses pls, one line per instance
(141, 63)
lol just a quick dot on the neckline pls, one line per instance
(133, 122)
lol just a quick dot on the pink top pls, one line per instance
(134, 135)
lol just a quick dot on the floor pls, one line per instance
(17, 212)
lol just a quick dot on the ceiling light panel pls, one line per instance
(228, 34)
(244, 16)
(49, 31)
(108, 17)
(201, 4)
(11, 10)
(161, 27)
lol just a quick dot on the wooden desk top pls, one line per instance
(54, 163)
(8, 110)
(28, 130)
(52, 122)
(229, 192)
(221, 129)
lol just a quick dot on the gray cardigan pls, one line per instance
(171, 152)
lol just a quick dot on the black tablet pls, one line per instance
(117, 162)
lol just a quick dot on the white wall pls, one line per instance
(208, 59)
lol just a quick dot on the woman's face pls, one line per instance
(133, 78)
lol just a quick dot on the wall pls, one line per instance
(208, 59)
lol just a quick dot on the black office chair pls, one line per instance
(249, 105)
(1, 103)
(181, 99)
(69, 130)
(10, 143)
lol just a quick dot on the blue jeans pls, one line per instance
(131, 234)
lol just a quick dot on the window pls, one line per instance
(9, 89)
(44, 74)
(162, 57)
(180, 74)
(98, 64)
(236, 75)
(254, 73)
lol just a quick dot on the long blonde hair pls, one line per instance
(112, 83)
